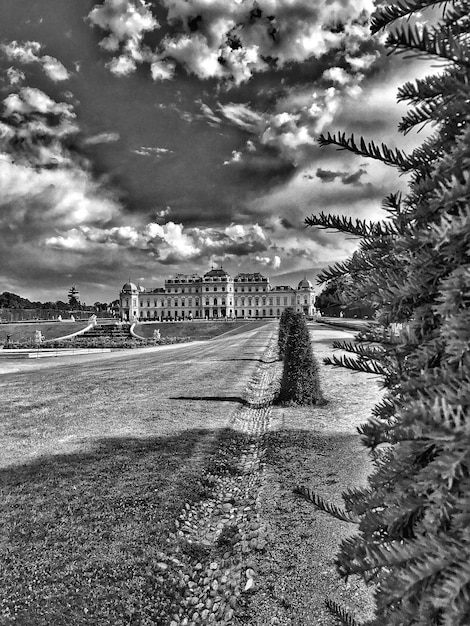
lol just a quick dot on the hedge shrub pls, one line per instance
(284, 326)
(300, 379)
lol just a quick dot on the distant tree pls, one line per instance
(10, 300)
(330, 296)
(73, 300)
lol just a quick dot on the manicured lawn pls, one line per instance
(196, 330)
(98, 460)
(51, 330)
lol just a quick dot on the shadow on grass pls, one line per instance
(84, 533)
(211, 399)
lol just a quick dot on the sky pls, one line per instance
(140, 139)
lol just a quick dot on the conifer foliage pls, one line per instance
(284, 327)
(413, 540)
(300, 379)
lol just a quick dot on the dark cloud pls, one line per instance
(327, 176)
(287, 224)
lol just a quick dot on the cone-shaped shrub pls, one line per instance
(284, 325)
(300, 380)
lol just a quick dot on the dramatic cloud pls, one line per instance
(15, 76)
(327, 176)
(230, 40)
(44, 184)
(197, 144)
(27, 52)
(170, 243)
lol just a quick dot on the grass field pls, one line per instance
(196, 330)
(98, 460)
(51, 330)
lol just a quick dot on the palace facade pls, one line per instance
(214, 295)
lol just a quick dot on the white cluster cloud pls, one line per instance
(15, 76)
(28, 52)
(225, 39)
(170, 242)
(43, 185)
(295, 121)
(152, 151)
(127, 23)
(27, 133)
(274, 263)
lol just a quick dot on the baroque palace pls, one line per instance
(214, 295)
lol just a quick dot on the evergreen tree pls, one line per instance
(300, 380)
(284, 326)
(73, 300)
(413, 542)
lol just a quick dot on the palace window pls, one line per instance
(278, 300)
(285, 300)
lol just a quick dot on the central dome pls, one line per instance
(305, 284)
(129, 287)
(216, 273)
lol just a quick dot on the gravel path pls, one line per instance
(320, 448)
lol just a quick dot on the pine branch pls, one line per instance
(385, 15)
(396, 158)
(342, 614)
(427, 42)
(356, 348)
(358, 228)
(393, 203)
(444, 86)
(358, 365)
(457, 12)
(423, 114)
(326, 507)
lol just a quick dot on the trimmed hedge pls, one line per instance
(300, 379)
(98, 342)
(284, 326)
